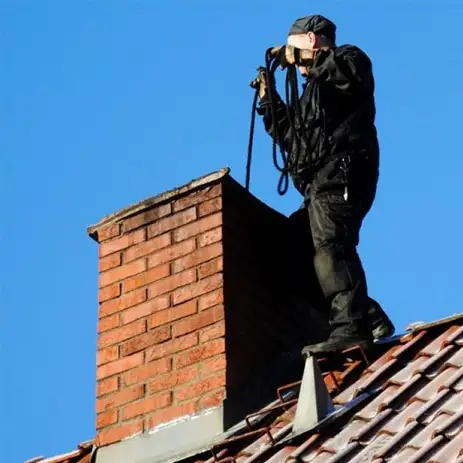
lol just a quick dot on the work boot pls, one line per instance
(381, 325)
(337, 343)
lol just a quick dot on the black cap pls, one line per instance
(317, 24)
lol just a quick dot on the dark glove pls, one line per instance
(260, 82)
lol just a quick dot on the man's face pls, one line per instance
(304, 42)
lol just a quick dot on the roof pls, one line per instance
(82, 454)
(401, 402)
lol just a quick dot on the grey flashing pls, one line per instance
(168, 443)
(157, 200)
(420, 326)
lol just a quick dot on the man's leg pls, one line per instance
(335, 224)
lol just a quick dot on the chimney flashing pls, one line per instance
(157, 200)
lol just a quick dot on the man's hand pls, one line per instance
(260, 82)
(287, 55)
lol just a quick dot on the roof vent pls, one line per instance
(314, 402)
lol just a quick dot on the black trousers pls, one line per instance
(337, 201)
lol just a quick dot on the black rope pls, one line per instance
(251, 139)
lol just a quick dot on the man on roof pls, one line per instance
(336, 169)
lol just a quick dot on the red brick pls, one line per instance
(201, 387)
(197, 197)
(211, 236)
(173, 379)
(171, 253)
(168, 414)
(212, 332)
(106, 386)
(121, 334)
(195, 322)
(107, 418)
(118, 366)
(108, 262)
(120, 398)
(197, 289)
(117, 433)
(122, 243)
(214, 364)
(110, 292)
(198, 227)
(146, 405)
(211, 267)
(174, 313)
(146, 248)
(107, 355)
(147, 216)
(172, 222)
(208, 207)
(171, 283)
(171, 347)
(108, 323)
(123, 272)
(149, 370)
(108, 232)
(146, 340)
(147, 277)
(197, 257)
(201, 352)
(145, 309)
(211, 299)
(212, 400)
(122, 303)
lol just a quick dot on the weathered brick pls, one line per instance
(212, 332)
(147, 216)
(198, 257)
(212, 400)
(120, 273)
(197, 289)
(209, 268)
(147, 247)
(106, 418)
(108, 323)
(147, 277)
(122, 242)
(168, 414)
(146, 405)
(201, 352)
(214, 364)
(108, 232)
(211, 299)
(145, 309)
(171, 347)
(108, 262)
(173, 379)
(106, 386)
(172, 222)
(209, 207)
(121, 334)
(195, 322)
(120, 398)
(149, 370)
(117, 433)
(118, 366)
(174, 313)
(146, 340)
(171, 283)
(123, 302)
(198, 227)
(110, 292)
(171, 253)
(209, 237)
(201, 387)
(197, 197)
(109, 354)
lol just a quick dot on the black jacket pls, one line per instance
(338, 113)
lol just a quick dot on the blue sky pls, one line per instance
(108, 102)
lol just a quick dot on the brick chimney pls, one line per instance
(197, 317)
